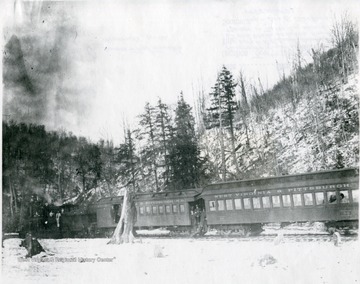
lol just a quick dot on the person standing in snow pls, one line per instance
(197, 215)
(337, 239)
(58, 218)
(203, 220)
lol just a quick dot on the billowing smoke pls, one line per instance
(42, 193)
(42, 65)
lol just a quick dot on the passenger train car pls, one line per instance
(165, 209)
(331, 197)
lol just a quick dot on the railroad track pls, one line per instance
(287, 238)
(296, 238)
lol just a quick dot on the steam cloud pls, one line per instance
(43, 62)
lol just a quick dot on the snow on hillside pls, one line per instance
(181, 261)
(320, 133)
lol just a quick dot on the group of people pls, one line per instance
(49, 217)
(332, 198)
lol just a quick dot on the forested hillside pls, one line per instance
(319, 133)
(59, 168)
(307, 122)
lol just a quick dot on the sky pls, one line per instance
(113, 56)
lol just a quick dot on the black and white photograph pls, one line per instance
(175, 141)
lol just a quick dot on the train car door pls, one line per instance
(198, 215)
(116, 212)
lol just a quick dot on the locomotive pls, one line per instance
(243, 206)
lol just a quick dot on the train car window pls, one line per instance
(237, 204)
(154, 210)
(175, 208)
(344, 196)
(256, 202)
(266, 201)
(331, 197)
(286, 200)
(276, 201)
(161, 209)
(247, 204)
(148, 210)
(221, 205)
(297, 199)
(212, 206)
(308, 199)
(167, 209)
(229, 204)
(141, 210)
(355, 195)
(182, 208)
(319, 198)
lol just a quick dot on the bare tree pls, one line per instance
(345, 39)
(244, 108)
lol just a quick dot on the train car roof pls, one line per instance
(186, 194)
(110, 200)
(281, 181)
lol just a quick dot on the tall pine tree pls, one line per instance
(222, 113)
(164, 136)
(186, 164)
(128, 161)
(149, 149)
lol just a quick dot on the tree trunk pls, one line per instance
(124, 229)
(156, 178)
(233, 151)
(246, 132)
(59, 184)
(11, 199)
(22, 209)
(223, 160)
(222, 146)
(83, 182)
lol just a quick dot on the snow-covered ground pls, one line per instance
(268, 229)
(151, 260)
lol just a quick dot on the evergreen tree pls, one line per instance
(223, 99)
(222, 113)
(186, 164)
(128, 161)
(149, 150)
(164, 135)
